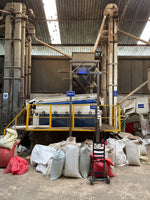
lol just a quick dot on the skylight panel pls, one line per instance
(53, 26)
(146, 33)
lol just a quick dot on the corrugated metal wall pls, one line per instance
(46, 78)
(132, 72)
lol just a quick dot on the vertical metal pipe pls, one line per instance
(70, 108)
(104, 84)
(110, 66)
(29, 66)
(26, 70)
(98, 111)
(7, 69)
(17, 58)
(115, 64)
(22, 60)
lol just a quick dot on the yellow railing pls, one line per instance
(14, 120)
(32, 121)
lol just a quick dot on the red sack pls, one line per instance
(98, 167)
(16, 166)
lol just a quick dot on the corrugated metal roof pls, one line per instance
(80, 20)
(38, 9)
(85, 32)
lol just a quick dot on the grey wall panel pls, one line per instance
(137, 77)
(124, 76)
(46, 78)
(132, 71)
(146, 65)
(45, 75)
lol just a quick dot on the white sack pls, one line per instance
(132, 153)
(72, 162)
(85, 159)
(48, 169)
(117, 154)
(145, 126)
(57, 164)
(41, 168)
(41, 154)
(9, 139)
(143, 150)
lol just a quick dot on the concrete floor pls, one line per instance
(129, 183)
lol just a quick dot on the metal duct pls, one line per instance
(29, 66)
(104, 76)
(17, 58)
(110, 66)
(23, 27)
(149, 78)
(7, 95)
(26, 71)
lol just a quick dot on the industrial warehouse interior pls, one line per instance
(74, 99)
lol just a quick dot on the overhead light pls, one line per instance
(146, 33)
(53, 26)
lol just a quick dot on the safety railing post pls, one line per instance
(15, 123)
(50, 118)
(115, 117)
(27, 117)
(119, 116)
(73, 108)
(111, 116)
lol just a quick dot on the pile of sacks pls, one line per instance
(127, 152)
(66, 158)
(8, 151)
(72, 159)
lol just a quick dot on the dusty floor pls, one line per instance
(129, 183)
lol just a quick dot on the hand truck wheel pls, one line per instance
(91, 180)
(107, 179)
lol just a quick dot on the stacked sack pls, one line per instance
(127, 152)
(66, 158)
(9, 139)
